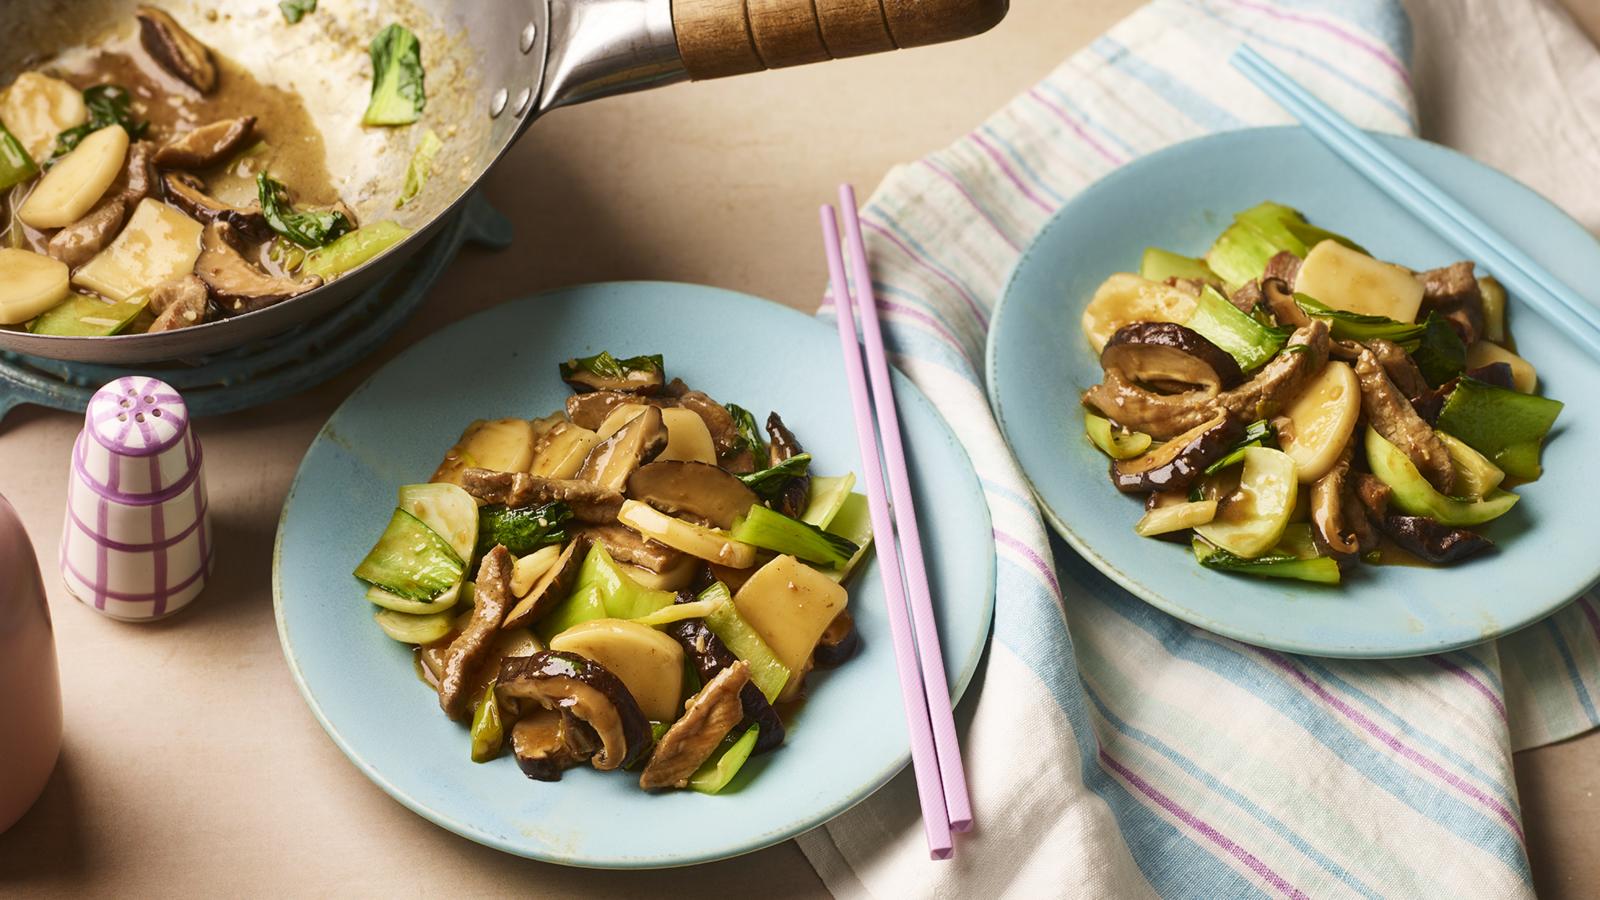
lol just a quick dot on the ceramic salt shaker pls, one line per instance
(30, 687)
(136, 544)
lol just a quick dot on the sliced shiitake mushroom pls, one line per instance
(1166, 355)
(552, 587)
(1339, 523)
(547, 742)
(188, 194)
(1279, 300)
(592, 409)
(791, 499)
(236, 284)
(1178, 462)
(611, 462)
(207, 145)
(1432, 541)
(838, 643)
(703, 491)
(585, 689)
(1165, 416)
(176, 50)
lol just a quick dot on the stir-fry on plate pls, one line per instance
(1294, 407)
(593, 569)
(1334, 422)
(640, 580)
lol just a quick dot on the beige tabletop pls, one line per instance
(191, 764)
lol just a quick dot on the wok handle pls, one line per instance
(718, 38)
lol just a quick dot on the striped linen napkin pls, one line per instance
(1112, 749)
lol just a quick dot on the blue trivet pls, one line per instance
(277, 367)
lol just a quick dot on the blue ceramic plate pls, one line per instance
(846, 741)
(1180, 198)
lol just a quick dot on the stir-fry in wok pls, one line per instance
(1291, 405)
(640, 581)
(148, 183)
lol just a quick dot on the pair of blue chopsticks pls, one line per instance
(1524, 278)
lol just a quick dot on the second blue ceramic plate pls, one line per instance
(1179, 199)
(846, 741)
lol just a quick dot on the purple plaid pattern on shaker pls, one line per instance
(136, 540)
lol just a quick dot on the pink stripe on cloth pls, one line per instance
(1469, 678)
(1032, 556)
(1376, 52)
(1205, 829)
(972, 201)
(1005, 168)
(1079, 130)
(922, 262)
(920, 316)
(1395, 744)
(909, 312)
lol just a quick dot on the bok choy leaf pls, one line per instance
(295, 10)
(308, 229)
(419, 168)
(109, 104)
(1345, 325)
(768, 483)
(1245, 339)
(398, 94)
(749, 435)
(605, 365)
(522, 529)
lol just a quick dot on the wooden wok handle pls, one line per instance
(718, 38)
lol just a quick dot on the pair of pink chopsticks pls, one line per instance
(935, 751)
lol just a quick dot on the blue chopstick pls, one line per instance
(1474, 237)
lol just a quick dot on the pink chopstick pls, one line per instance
(935, 753)
(923, 624)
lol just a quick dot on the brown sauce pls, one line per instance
(286, 138)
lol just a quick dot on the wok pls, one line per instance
(492, 67)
